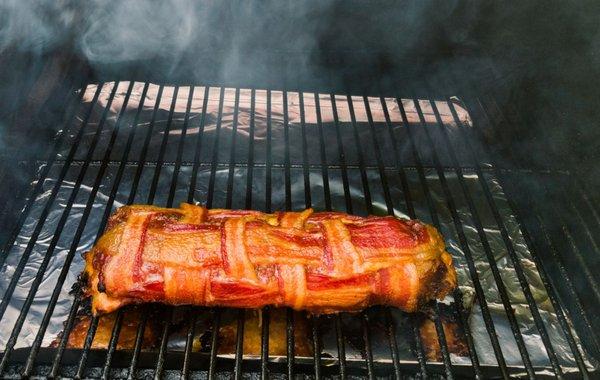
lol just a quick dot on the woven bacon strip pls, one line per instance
(321, 262)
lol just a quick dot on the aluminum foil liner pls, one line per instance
(304, 129)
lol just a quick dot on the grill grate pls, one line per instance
(92, 146)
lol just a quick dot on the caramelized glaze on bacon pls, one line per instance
(321, 262)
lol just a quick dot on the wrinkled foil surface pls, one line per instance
(306, 130)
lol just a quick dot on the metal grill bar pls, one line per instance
(592, 277)
(130, 200)
(189, 341)
(391, 334)
(390, 210)
(239, 345)
(31, 199)
(539, 265)
(170, 310)
(290, 342)
(213, 169)
(411, 212)
(265, 318)
(236, 106)
(551, 292)
(287, 164)
(511, 250)
(198, 147)
(506, 118)
(486, 246)
(531, 301)
(87, 211)
(367, 340)
(327, 194)
(75, 306)
(241, 317)
(463, 241)
(81, 226)
(60, 225)
(307, 195)
(25, 256)
(316, 337)
(290, 339)
(213, 343)
(107, 210)
(72, 103)
(250, 174)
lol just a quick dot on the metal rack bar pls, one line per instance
(215, 156)
(170, 310)
(112, 345)
(463, 242)
(307, 195)
(43, 216)
(316, 340)
(411, 212)
(87, 346)
(324, 172)
(367, 340)
(107, 211)
(189, 343)
(289, 322)
(488, 251)
(164, 339)
(198, 147)
(529, 241)
(239, 345)
(327, 193)
(391, 333)
(269, 158)
(340, 146)
(31, 199)
(518, 158)
(543, 275)
(75, 306)
(236, 107)
(250, 173)
(537, 318)
(290, 342)
(390, 210)
(287, 164)
(139, 337)
(41, 270)
(264, 344)
(67, 124)
(361, 160)
(265, 312)
(507, 242)
(216, 322)
(63, 342)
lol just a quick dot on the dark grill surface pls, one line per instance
(160, 152)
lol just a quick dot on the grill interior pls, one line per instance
(413, 152)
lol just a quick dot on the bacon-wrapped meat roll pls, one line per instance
(322, 262)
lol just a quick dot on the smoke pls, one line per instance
(37, 25)
(244, 38)
(549, 53)
(136, 30)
